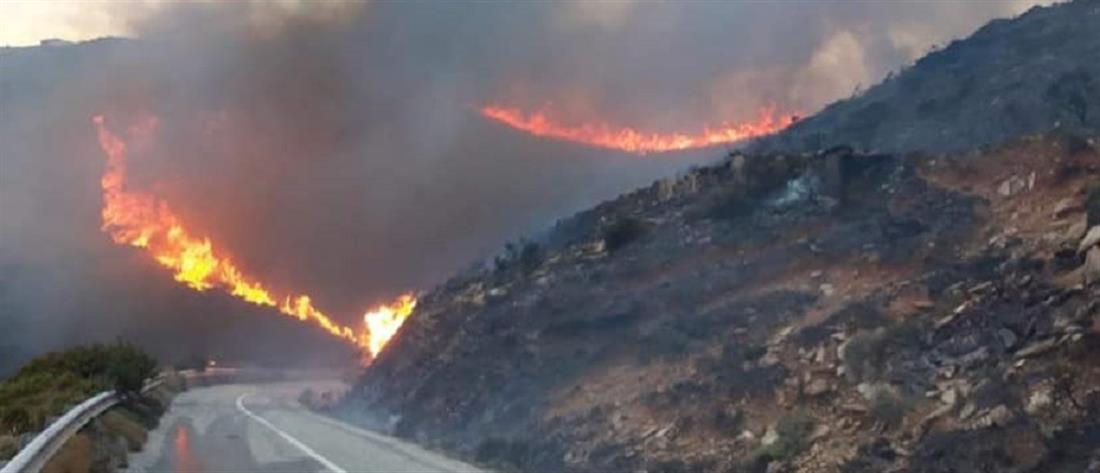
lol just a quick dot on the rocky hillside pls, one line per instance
(828, 312)
(1012, 77)
(807, 311)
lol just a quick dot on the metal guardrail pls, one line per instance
(35, 454)
(32, 457)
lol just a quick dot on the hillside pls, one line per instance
(1031, 74)
(800, 307)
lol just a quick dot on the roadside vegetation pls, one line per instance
(49, 385)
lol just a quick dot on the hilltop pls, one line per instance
(1031, 74)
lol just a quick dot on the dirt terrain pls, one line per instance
(828, 312)
(798, 308)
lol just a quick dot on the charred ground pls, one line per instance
(830, 312)
(791, 309)
(1012, 77)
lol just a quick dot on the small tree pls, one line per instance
(128, 367)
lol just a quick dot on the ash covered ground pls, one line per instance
(915, 291)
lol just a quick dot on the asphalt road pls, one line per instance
(262, 428)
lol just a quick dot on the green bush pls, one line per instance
(8, 446)
(128, 368)
(16, 418)
(29, 399)
(794, 436)
(48, 385)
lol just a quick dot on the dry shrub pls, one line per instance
(76, 456)
(8, 446)
(117, 423)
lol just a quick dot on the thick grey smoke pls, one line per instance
(336, 149)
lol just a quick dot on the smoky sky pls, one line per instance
(335, 149)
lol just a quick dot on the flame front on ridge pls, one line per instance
(141, 220)
(603, 135)
(382, 322)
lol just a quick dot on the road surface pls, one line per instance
(239, 428)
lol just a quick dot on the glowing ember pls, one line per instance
(141, 220)
(602, 135)
(382, 322)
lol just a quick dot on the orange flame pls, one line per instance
(382, 322)
(141, 220)
(602, 135)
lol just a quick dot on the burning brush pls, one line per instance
(142, 220)
(602, 135)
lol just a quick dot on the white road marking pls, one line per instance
(328, 464)
(413, 453)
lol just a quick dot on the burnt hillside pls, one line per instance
(1030, 74)
(819, 310)
(835, 312)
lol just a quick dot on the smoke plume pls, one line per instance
(337, 149)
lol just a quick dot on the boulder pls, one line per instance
(1037, 348)
(817, 387)
(771, 436)
(1001, 416)
(1012, 186)
(1090, 240)
(1007, 337)
(1091, 270)
(1073, 234)
(967, 410)
(949, 397)
(1067, 206)
(1040, 399)
(973, 358)
(1094, 465)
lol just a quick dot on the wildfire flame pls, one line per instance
(141, 220)
(382, 322)
(603, 135)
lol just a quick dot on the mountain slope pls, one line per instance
(824, 311)
(864, 317)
